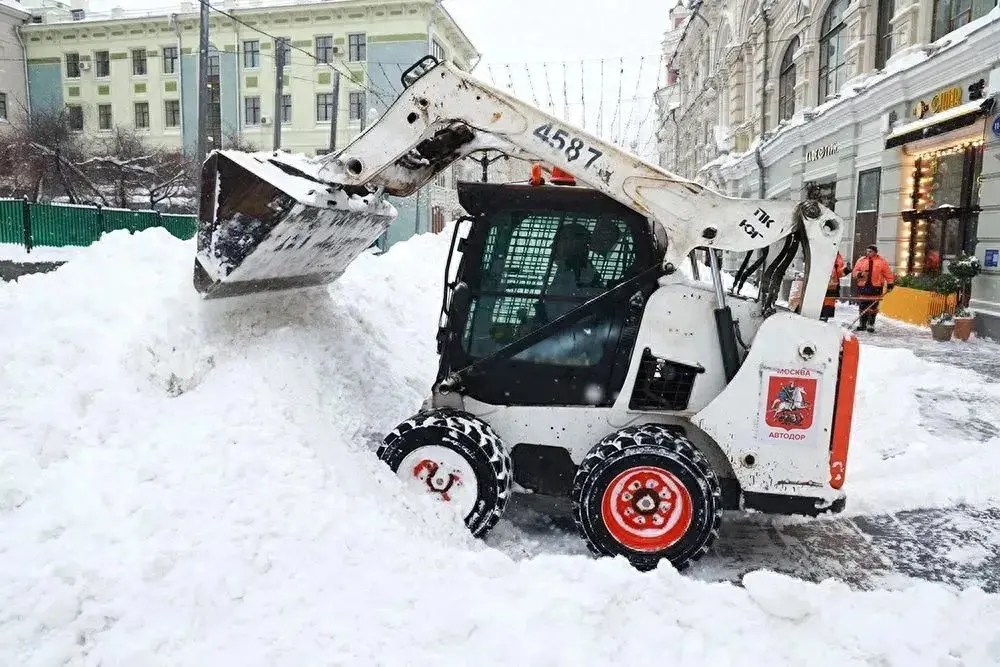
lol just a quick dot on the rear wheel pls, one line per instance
(648, 494)
(456, 457)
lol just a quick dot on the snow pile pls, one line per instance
(924, 435)
(190, 483)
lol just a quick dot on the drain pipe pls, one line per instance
(761, 185)
(24, 57)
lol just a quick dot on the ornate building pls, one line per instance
(885, 110)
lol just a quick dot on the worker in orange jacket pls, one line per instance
(833, 288)
(872, 277)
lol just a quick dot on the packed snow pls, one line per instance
(192, 483)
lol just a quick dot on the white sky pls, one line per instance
(523, 41)
(537, 36)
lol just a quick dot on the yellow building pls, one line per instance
(140, 70)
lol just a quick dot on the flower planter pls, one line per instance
(963, 327)
(942, 332)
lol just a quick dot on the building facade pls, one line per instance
(885, 112)
(343, 60)
(13, 75)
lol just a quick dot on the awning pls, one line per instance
(961, 116)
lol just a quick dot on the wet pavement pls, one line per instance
(957, 546)
(10, 270)
(978, 354)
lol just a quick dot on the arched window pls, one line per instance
(786, 82)
(832, 44)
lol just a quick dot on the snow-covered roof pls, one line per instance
(11, 6)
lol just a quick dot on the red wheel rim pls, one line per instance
(646, 509)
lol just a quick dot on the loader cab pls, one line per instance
(533, 253)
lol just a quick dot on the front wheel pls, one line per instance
(455, 457)
(648, 494)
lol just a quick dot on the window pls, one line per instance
(356, 105)
(284, 47)
(169, 59)
(142, 114)
(251, 110)
(104, 116)
(356, 45)
(172, 113)
(3, 106)
(832, 44)
(952, 14)
(437, 50)
(883, 32)
(213, 64)
(75, 117)
(286, 108)
(786, 82)
(102, 64)
(139, 62)
(538, 266)
(251, 53)
(324, 107)
(866, 213)
(324, 49)
(72, 65)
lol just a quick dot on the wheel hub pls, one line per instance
(646, 508)
(441, 472)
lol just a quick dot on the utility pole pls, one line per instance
(203, 85)
(279, 74)
(336, 110)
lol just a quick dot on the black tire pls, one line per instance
(670, 462)
(472, 439)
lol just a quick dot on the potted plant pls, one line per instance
(942, 326)
(964, 267)
(963, 323)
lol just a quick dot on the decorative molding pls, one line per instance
(974, 53)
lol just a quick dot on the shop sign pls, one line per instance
(821, 152)
(996, 126)
(943, 100)
(990, 261)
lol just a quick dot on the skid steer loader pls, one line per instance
(576, 360)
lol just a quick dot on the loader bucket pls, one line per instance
(264, 226)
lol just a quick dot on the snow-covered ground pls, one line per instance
(191, 483)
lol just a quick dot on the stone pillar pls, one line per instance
(906, 28)
(805, 63)
(855, 55)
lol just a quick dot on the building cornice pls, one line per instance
(976, 50)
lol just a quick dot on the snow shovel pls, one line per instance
(262, 226)
(873, 300)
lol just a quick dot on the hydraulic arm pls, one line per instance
(274, 220)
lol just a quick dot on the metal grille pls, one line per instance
(662, 384)
(517, 268)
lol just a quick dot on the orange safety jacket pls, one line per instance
(833, 287)
(875, 269)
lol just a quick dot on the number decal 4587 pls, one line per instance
(572, 146)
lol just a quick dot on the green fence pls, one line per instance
(31, 225)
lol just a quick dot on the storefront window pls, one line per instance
(945, 206)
